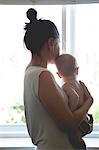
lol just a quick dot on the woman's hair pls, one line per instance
(38, 32)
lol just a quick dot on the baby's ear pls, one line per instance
(59, 74)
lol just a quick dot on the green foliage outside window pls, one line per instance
(96, 114)
(16, 114)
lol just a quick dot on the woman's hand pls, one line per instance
(87, 94)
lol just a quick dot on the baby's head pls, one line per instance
(66, 65)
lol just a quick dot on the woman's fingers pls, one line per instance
(86, 91)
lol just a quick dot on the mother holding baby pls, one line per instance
(48, 116)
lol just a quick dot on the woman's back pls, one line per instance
(42, 128)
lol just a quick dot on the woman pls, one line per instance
(48, 116)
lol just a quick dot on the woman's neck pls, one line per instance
(37, 61)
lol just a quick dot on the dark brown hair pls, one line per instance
(38, 32)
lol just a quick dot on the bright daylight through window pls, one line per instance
(14, 57)
(82, 31)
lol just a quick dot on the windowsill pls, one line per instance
(26, 142)
(11, 142)
(10, 134)
(92, 142)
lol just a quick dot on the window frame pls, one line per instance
(46, 2)
(9, 134)
(20, 131)
(95, 132)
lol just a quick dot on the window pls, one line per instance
(14, 58)
(78, 27)
(83, 42)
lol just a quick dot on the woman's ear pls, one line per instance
(76, 70)
(50, 43)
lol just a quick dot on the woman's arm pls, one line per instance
(54, 103)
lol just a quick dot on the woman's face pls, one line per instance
(57, 47)
(54, 51)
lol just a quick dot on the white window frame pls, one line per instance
(95, 133)
(46, 2)
(20, 131)
(15, 131)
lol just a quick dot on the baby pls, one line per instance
(68, 70)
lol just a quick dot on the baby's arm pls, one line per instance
(73, 97)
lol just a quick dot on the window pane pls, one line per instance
(14, 58)
(83, 42)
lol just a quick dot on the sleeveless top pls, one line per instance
(44, 132)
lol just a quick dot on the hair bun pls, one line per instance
(32, 14)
